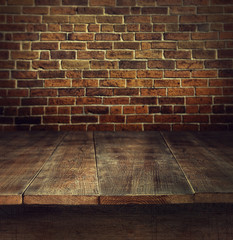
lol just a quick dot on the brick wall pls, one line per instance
(116, 64)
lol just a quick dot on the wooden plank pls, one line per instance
(69, 177)
(22, 156)
(207, 160)
(134, 222)
(138, 168)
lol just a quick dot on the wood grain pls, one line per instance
(207, 160)
(69, 177)
(131, 222)
(22, 156)
(138, 168)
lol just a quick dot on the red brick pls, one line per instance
(104, 65)
(47, 2)
(182, 10)
(116, 110)
(161, 64)
(116, 100)
(53, 36)
(107, 37)
(225, 53)
(137, 19)
(181, 92)
(205, 36)
(56, 119)
(35, 10)
(129, 127)
(9, 45)
(126, 3)
(45, 64)
(99, 92)
(27, 19)
(185, 127)
(199, 100)
(71, 92)
(88, 100)
(109, 19)
(76, 110)
(51, 74)
(7, 64)
(132, 64)
(154, 10)
(167, 118)
(208, 91)
(4, 74)
(169, 2)
(25, 36)
(57, 83)
(194, 82)
(196, 2)
(204, 73)
(189, 64)
(153, 92)
(90, 55)
(34, 101)
(119, 54)
(193, 19)
(220, 82)
(176, 36)
(75, 2)
(41, 92)
(177, 54)
(100, 127)
(126, 92)
(99, 45)
(24, 74)
(4, 54)
(44, 46)
(165, 19)
(148, 36)
(89, 10)
(171, 100)
(167, 83)
(196, 118)
(112, 118)
(96, 110)
(102, 3)
(176, 74)
(117, 11)
(221, 2)
(63, 55)
(144, 100)
(139, 119)
(126, 45)
(17, 93)
(85, 83)
(218, 64)
(226, 73)
(203, 54)
(62, 101)
(139, 83)
(122, 74)
(95, 74)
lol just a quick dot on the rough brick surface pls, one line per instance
(116, 65)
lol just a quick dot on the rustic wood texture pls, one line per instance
(131, 222)
(138, 168)
(69, 176)
(207, 160)
(22, 156)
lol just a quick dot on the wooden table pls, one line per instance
(102, 168)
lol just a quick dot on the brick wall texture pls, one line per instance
(116, 65)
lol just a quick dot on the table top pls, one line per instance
(75, 168)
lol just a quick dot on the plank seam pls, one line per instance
(191, 187)
(38, 172)
(97, 172)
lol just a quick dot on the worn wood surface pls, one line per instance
(69, 176)
(131, 222)
(138, 168)
(207, 160)
(22, 156)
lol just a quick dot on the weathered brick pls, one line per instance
(163, 45)
(44, 46)
(132, 64)
(20, 2)
(126, 45)
(203, 54)
(45, 64)
(122, 74)
(139, 119)
(182, 10)
(36, 10)
(165, 19)
(149, 74)
(7, 64)
(95, 74)
(109, 19)
(208, 91)
(107, 36)
(167, 118)
(146, 54)
(27, 19)
(176, 74)
(81, 36)
(89, 10)
(55, 19)
(25, 36)
(53, 36)
(51, 74)
(189, 64)
(177, 54)
(82, 19)
(154, 10)
(148, 36)
(117, 11)
(126, 3)
(218, 64)
(90, 55)
(204, 73)
(176, 36)
(9, 10)
(96, 110)
(75, 2)
(9, 45)
(171, 100)
(225, 53)
(29, 55)
(126, 92)
(47, 2)
(205, 36)
(104, 64)
(102, 3)
(196, 2)
(153, 92)
(63, 55)
(119, 54)
(75, 64)
(167, 83)
(226, 73)
(99, 92)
